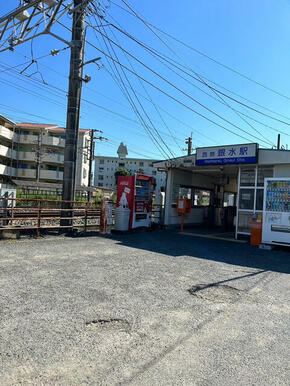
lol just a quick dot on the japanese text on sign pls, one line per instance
(232, 154)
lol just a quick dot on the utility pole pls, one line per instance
(278, 141)
(92, 156)
(73, 108)
(188, 142)
(38, 156)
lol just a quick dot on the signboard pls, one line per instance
(227, 155)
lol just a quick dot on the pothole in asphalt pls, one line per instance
(217, 293)
(112, 324)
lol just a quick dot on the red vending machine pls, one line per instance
(136, 193)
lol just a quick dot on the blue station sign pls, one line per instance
(227, 155)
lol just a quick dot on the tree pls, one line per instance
(121, 172)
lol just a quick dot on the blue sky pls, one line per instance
(250, 36)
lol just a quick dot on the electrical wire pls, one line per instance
(132, 12)
(150, 99)
(157, 144)
(221, 100)
(92, 45)
(181, 91)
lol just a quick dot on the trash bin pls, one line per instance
(256, 230)
(122, 216)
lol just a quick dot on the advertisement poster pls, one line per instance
(125, 192)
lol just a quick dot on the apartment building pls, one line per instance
(35, 152)
(105, 168)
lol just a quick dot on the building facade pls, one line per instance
(105, 168)
(225, 187)
(35, 152)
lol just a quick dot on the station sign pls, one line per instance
(227, 155)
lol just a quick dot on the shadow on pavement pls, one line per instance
(177, 245)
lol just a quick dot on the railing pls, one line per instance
(7, 133)
(7, 170)
(21, 214)
(36, 215)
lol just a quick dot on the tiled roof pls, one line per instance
(46, 126)
(37, 125)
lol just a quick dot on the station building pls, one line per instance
(225, 185)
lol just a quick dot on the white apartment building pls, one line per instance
(30, 152)
(105, 168)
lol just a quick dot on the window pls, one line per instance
(259, 199)
(85, 158)
(84, 173)
(141, 163)
(150, 165)
(247, 199)
(154, 172)
(102, 161)
(247, 177)
(200, 197)
(101, 169)
(50, 167)
(101, 177)
(100, 184)
(121, 164)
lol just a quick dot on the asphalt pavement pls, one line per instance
(151, 308)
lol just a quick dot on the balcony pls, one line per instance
(53, 158)
(7, 171)
(46, 140)
(26, 173)
(7, 152)
(45, 158)
(53, 141)
(51, 175)
(7, 133)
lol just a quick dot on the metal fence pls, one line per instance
(36, 215)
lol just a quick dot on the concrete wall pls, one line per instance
(272, 157)
(282, 171)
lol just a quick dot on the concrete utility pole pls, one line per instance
(188, 142)
(92, 156)
(38, 156)
(73, 107)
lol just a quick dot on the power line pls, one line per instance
(221, 100)
(170, 60)
(180, 90)
(120, 83)
(150, 99)
(165, 93)
(84, 99)
(206, 93)
(202, 53)
(139, 102)
(122, 116)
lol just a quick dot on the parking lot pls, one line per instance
(151, 308)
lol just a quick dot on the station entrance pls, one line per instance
(223, 198)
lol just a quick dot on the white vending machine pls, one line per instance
(276, 211)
